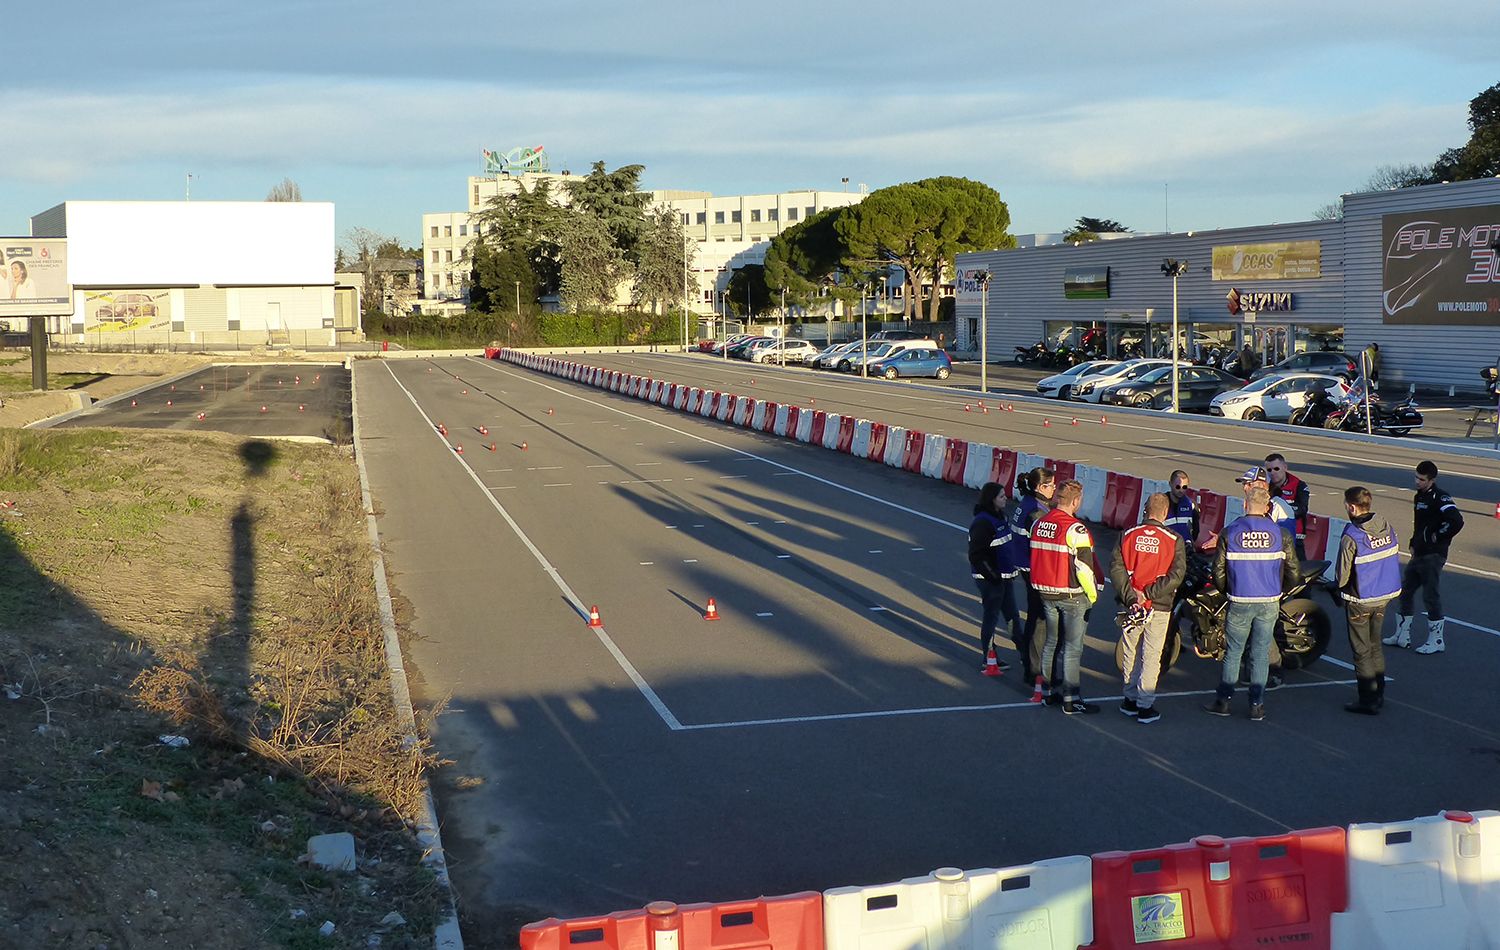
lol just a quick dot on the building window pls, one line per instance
(702, 217)
(810, 210)
(684, 217)
(791, 214)
(448, 255)
(478, 229)
(718, 217)
(450, 280)
(434, 230)
(233, 323)
(775, 214)
(735, 218)
(754, 215)
(447, 230)
(463, 230)
(434, 257)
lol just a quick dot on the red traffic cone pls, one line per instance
(969, 408)
(317, 377)
(594, 620)
(202, 416)
(549, 411)
(811, 401)
(1103, 421)
(1075, 420)
(296, 380)
(280, 381)
(981, 403)
(459, 449)
(174, 387)
(301, 407)
(752, 380)
(465, 392)
(1497, 504)
(985, 409)
(200, 387)
(712, 611)
(169, 402)
(991, 664)
(132, 403)
(1036, 691)
(483, 430)
(442, 429)
(262, 408)
(492, 446)
(523, 446)
(1046, 423)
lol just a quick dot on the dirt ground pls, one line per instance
(160, 584)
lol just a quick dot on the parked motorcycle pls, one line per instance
(1199, 613)
(1035, 353)
(1397, 420)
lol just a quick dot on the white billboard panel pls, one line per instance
(34, 278)
(172, 243)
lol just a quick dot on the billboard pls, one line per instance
(1086, 283)
(970, 280)
(120, 311)
(1277, 260)
(34, 278)
(1442, 267)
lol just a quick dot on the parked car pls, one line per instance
(1331, 362)
(788, 351)
(741, 350)
(1196, 388)
(1090, 388)
(1273, 397)
(914, 361)
(1060, 385)
(828, 357)
(847, 358)
(883, 351)
(718, 346)
(883, 335)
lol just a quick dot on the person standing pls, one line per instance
(1370, 360)
(1368, 577)
(1033, 497)
(1249, 361)
(1254, 563)
(1183, 514)
(1149, 564)
(1065, 573)
(992, 563)
(1292, 490)
(1286, 519)
(1436, 521)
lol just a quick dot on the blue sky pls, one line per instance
(1247, 113)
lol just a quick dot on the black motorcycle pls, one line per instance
(1200, 610)
(1315, 411)
(1397, 420)
(1035, 353)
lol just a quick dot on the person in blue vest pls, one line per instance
(1254, 563)
(1368, 579)
(1283, 514)
(992, 564)
(1183, 513)
(1033, 499)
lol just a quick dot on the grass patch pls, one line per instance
(11, 383)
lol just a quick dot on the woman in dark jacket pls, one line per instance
(992, 564)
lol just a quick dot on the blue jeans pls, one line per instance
(1068, 613)
(998, 599)
(1255, 622)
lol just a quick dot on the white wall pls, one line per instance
(182, 243)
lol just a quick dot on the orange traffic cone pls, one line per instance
(969, 408)
(262, 408)
(202, 416)
(712, 612)
(442, 429)
(985, 409)
(169, 402)
(459, 449)
(132, 403)
(991, 664)
(523, 446)
(594, 620)
(483, 430)
(1046, 422)
(1075, 421)
(1036, 691)
(301, 407)
(492, 446)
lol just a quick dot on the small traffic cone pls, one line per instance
(132, 403)
(969, 408)
(174, 387)
(279, 382)
(301, 407)
(981, 403)
(1497, 504)
(811, 401)
(549, 411)
(202, 416)
(1103, 421)
(1036, 691)
(459, 449)
(484, 430)
(169, 402)
(492, 446)
(1075, 420)
(442, 429)
(296, 380)
(594, 620)
(523, 446)
(985, 409)
(1046, 423)
(317, 377)
(262, 408)
(712, 611)
(752, 380)
(465, 392)
(200, 387)
(991, 664)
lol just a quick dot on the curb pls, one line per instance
(429, 835)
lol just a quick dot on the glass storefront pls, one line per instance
(1200, 342)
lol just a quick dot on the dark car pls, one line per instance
(1332, 362)
(916, 361)
(741, 350)
(882, 336)
(1196, 388)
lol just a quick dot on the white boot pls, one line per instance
(1402, 637)
(1434, 642)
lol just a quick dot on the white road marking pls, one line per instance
(493, 471)
(647, 563)
(877, 608)
(874, 551)
(690, 560)
(1474, 626)
(765, 614)
(649, 694)
(502, 488)
(598, 466)
(644, 464)
(543, 468)
(558, 485)
(919, 549)
(782, 557)
(752, 522)
(733, 476)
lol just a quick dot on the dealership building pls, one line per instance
(201, 273)
(1414, 270)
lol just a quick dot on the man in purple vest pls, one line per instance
(1368, 578)
(1256, 560)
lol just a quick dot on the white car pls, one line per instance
(1060, 385)
(882, 351)
(1273, 397)
(791, 351)
(831, 357)
(1091, 388)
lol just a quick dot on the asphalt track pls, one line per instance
(833, 728)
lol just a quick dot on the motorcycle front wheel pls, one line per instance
(1302, 633)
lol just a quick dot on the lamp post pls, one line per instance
(518, 303)
(1174, 269)
(684, 293)
(781, 344)
(984, 330)
(864, 334)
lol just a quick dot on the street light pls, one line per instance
(1174, 269)
(781, 344)
(984, 330)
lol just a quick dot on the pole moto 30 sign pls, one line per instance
(1442, 267)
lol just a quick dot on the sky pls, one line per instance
(1161, 115)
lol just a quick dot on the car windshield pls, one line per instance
(1262, 383)
(1085, 369)
(1136, 372)
(1154, 375)
(883, 350)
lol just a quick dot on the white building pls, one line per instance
(199, 273)
(730, 232)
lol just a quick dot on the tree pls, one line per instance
(530, 223)
(616, 200)
(921, 226)
(747, 292)
(806, 257)
(663, 256)
(591, 263)
(364, 249)
(285, 190)
(1088, 229)
(1383, 178)
(502, 281)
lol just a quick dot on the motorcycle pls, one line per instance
(1397, 420)
(1315, 411)
(1200, 610)
(1035, 353)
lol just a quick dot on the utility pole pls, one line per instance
(984, 331)
(1174, 270)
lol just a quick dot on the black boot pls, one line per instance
(1379, 690)
(1368, 703)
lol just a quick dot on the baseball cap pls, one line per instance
(1253, 474)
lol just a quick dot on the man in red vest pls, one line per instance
(1149, 564)
(1065, 574)
(1292, 490)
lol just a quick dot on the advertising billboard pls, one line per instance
(970, 280)
(119, 311)
(1442, 267)
(34, 278)
(1086, 283)
(1277, 260)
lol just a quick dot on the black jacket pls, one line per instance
(1436, 522)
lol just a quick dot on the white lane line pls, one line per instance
(775, 474)
(690, 560)
(877, 608)
(697, 525)
(733, 476)
(502, 487)
(644, 464)
(930, 710)
(672, 722)
(919, 549)
(1337, 662)
(779, 522)
(752, 522)
(642, 481)
(874, 551)
(765, 614)
(696, 461)
(558, 485)
(647, 563)
(598, 466)
(782, 557)
(543, 468)
(1474, 626)
(493, 471)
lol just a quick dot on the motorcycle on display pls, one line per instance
(1201, 609)
(1316, 411)
(1398, 420)
(1035, 353)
